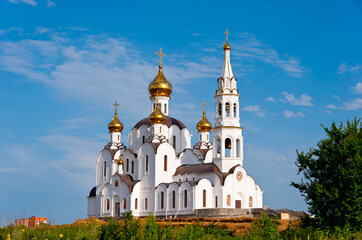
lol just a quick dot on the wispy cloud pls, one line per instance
(332, 106)
(357, 88)
(354, 104)
(255, 109)
(11, 30)
(30, 2)
(50, 3)
(270, 99)
(251, 47)
(290, 114)
(345, 68)
(303, 100)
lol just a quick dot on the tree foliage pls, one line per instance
(333, 177)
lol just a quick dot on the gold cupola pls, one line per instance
(160, 86)
(115, 125)
(204, 125)
(157, 116)
(120, 160)
(227, 46)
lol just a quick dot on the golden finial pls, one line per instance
(227, 33)
(203, 106)
(203, 125)
(115, 106)
(161, 54)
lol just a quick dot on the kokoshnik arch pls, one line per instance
(160, 172)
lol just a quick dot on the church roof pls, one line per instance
(127, 179)
(92, 192)
(200, 169)
(169, 121)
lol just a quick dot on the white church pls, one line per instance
(160, 172)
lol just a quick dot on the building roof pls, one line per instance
(169, 121)
(127, 179)
(92, 192)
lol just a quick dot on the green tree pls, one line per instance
(333, 177)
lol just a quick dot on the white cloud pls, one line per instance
(304, 100)
(30, 2)
(328, 111)
(50, 3)
(357, 88)
(345, 68)
(10, 30)
(255, 109)
(251, 47)
(354, 104)
(270, 99)
(290, 114)
(337, 97)
(332, 106)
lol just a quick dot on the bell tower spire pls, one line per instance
(228, 139)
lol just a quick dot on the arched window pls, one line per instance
(160, 106)
(127, 165)
(235, 110)
(104, 168)
(136, 203)
(174, 142)
(154, 106)
(250, 201)
(132, 167)
(185, 198)
(228, 200)
(216, 202)
(165, 108)
(237, 147)
(227, 147)
(219, 110)
(118, 137)
(160, 129)
(143, 139)
(146, 163)
(218, 146)
(165, 163)
(161, 200)
(173, 199)
(204, 198)
(227, 109)
(146, 203)
(107, 203)
(124, 203)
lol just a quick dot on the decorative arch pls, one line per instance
(227, 147)
(250, 201)
(227, 109)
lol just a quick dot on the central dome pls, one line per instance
(160, 86)
(169, 121)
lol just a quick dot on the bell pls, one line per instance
(228, 143)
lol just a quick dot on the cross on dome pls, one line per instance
(115, 106)
(203, 106)
(227, 33)
(161, 54)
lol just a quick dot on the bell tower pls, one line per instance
(228, 138)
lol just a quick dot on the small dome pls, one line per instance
(115, 125)
(204, 125)
(160, 86)
(227, 46)
(120, 160)
(157, 116)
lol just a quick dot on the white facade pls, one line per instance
(160, 172)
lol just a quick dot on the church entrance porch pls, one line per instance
(117, 210)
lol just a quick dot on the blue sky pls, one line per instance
(63, 63)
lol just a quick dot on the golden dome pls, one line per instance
(204, 125)
(115, 125)
(157, 116)
(120, 160)
(160, 86)
(227, 46)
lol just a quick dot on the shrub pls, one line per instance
(264, 228)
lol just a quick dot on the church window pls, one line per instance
(132, 167)
(228, 200)
(160, 129)
(161, 200)
(165, 163)
(124, 203)
(105, 168)
(118, 137)
(207, 137)
(237, 147)
(127, 166)
(219, 110)
(146, 203)
(173, 199)
(136, 203)
(204, 198)
(227, 147)
(250, 201)
(165, 108)
(216, 201)
(143, 139)
(227, 109)
(159, 106)
(116, 183)
(146, 163)
(234, 109)
(107, 203)
(154, 105)
(185, 198)
(218, 146)
(174, 142)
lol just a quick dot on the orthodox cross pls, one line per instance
(227, 33)
(203, 106)
(161, 54)
(115, 106)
